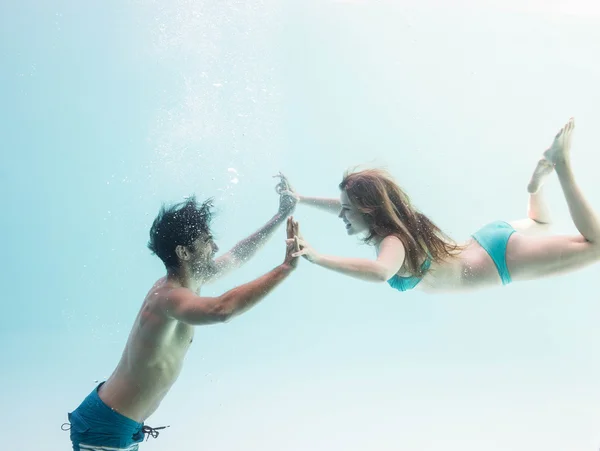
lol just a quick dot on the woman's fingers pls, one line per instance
(296, 241)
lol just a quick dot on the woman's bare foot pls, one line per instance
(543, 169)
(557, 153)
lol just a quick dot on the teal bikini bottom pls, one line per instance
(492, 237)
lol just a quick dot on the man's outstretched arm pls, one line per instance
(247, 248)
(197, 310)
(185, 306)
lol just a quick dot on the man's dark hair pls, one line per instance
(179, 224)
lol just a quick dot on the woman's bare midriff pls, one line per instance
(471, 269)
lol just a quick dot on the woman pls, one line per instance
(413, 253)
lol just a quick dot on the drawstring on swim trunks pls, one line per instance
(145, 430)
(152, 431)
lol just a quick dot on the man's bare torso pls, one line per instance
(151, 361)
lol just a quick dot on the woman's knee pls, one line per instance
(531, 227)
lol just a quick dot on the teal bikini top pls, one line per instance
(408, 283)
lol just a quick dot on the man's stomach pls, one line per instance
(137, 392)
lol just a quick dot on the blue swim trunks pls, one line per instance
(96, 427)
(494, 239)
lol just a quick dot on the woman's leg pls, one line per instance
(530, 257)
(538, 215)
(542, 170)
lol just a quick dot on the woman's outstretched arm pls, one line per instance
(389, 260)
(330, 205)
(326, 204)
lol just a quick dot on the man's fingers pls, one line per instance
(282, 180)
(296, 243)
(290, 227)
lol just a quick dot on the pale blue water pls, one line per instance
(110, 108)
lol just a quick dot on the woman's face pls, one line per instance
(353, 219)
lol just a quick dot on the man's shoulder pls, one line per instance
(164, 295)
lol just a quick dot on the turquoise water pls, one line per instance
(110, 108)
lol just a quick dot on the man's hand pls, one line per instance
(288, 198)
(301, 247)
(291, 243)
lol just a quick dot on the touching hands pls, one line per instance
(291, 244)
(303, 249)
(295, 241)
(288, 198)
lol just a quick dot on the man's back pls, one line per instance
(151, 361)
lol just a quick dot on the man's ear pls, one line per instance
(182, 252)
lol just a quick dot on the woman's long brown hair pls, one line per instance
(388, 211)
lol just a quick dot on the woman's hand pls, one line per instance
(306, 249)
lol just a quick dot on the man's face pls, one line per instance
(202, 254)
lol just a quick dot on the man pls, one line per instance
(112, 416)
